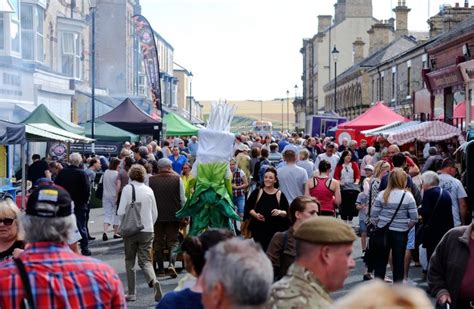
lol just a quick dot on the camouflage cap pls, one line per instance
(325, 230)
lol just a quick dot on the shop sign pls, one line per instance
(444, 78)
(467, 70)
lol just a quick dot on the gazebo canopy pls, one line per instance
(12, 133)
(377, 116)
(129, 117)
(107, 132)
(428, 131)
(43, 115)
(177, 126)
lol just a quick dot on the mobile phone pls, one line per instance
(447, 305)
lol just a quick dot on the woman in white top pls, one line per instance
(139, 245)
(111, 183)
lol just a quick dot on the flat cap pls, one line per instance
(325, 230)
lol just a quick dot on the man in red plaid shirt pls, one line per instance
(58, 277)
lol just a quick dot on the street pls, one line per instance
(112, 253)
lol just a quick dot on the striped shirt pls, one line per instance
(382, 213)
(60, 278)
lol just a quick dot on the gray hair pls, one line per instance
(75, 159)
(242, 268)
(48, 229)
(433, 151)
(430, 178)
(370, 150)
(164, 162)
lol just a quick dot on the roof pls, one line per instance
(177, 126)
(12, 133)
(460, 29)
(429, 131)
(386, 53)
(43, 115)
(130, 117)
(107, 132)
(376, 116)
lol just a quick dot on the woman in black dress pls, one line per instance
(267, 207)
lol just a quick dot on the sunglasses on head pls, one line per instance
(7, 221)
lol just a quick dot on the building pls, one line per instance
(450, 72)
(44, 49)
(187, 106)
(370, 80)
(352, 19)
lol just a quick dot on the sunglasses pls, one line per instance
(7, 221)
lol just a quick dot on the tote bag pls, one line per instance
(131, 221)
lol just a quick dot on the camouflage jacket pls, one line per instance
(298, 289)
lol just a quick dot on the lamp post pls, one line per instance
(282, 119)
(261, 110)
(288, 110)
(93, 7)
(296, 96)
(335, 55)
(190, 77)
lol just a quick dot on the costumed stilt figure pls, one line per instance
(211, 205)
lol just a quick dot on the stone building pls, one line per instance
(358, 88)
(186, 103)
(352, 19)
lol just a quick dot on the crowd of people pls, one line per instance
(297, 198)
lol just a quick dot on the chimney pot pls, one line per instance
(466, 3)
(457, 4)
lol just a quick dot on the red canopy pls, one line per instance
(459, 111)
(377, 116)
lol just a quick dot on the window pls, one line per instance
(71, 54)
(15, 26)
(27, 32)
(409, 81)
(2, 31)
(393, 85)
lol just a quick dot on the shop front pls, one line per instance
(467, 72)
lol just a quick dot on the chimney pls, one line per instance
(379, 36)
(466, 3)
(324, 22)
(358, 48)
(456, 4)
(401, 16)
(339, 11)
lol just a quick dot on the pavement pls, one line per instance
(112, 253)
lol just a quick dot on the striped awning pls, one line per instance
(390, 128)
(429, 131)
(48, 131)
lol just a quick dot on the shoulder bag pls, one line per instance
(131, 222)
(99, 192)
(245, 230)
(27, 302)
(379, 237)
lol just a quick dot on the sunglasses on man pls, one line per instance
(7, 221)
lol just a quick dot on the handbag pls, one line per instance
(350, 187)
(99, 192)
(131, 222)
(379, 238)
(245, 226)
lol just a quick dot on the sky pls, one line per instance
(249, 49)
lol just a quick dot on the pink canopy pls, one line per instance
(429, 131)
(459, 111)
(377, 116)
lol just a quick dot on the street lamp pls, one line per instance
(335, 55)
(261, 110)
(93, 8)
(288, 109)
(190, 77)
(296, 96)
(282, 119)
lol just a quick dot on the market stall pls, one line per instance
(429, 131)
(377, 116)
(177, 126)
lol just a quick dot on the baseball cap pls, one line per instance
(49, 201)
(369, 167)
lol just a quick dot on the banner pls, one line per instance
(146, 37)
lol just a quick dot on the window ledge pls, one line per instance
(71, 24)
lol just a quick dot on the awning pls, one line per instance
(177, 126)
(429, 131)
(389, 128)
(35, 134)
(50, 132)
